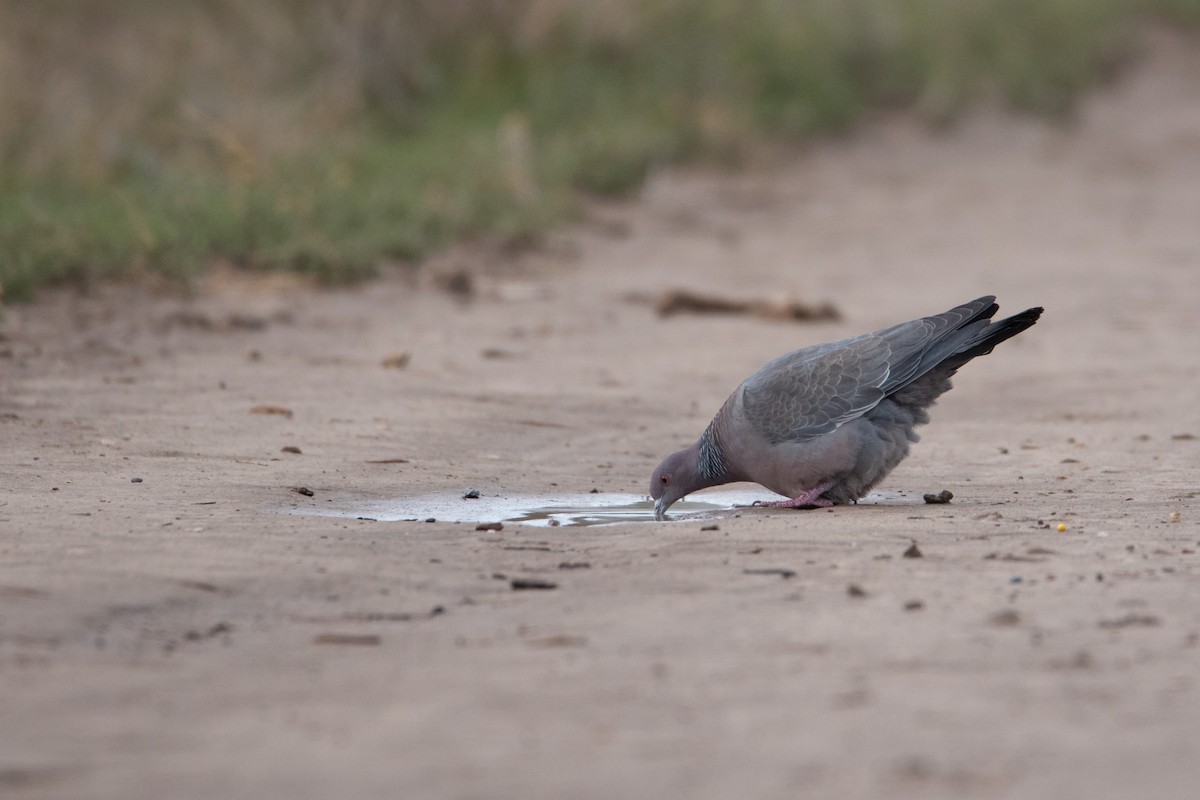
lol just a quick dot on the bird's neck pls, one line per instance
(712, 463)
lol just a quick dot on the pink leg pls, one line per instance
(810, 498)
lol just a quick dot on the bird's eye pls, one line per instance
(666, 479)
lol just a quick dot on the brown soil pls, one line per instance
(180, 637)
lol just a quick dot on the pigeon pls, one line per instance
(824, 424)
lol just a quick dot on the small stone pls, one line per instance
(781, 572)
(278, 411)
(489, 526)
(304, 490)
(352, 639)
(913, 551)
(531, 583)
(854, 590)
(139, 480)
(1006, 618)
(471, 494)
(396, 360)
(941, 498)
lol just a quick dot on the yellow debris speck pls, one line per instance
(1062, 527)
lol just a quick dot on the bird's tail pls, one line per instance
(975, 338)
(991, 334)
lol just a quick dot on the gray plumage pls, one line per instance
(824, 424)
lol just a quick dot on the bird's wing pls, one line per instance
(813, 391)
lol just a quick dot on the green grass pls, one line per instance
(298, 137)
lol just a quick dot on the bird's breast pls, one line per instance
(791, 468)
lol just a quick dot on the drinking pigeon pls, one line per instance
(824, 424)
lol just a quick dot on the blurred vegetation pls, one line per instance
(154, 137)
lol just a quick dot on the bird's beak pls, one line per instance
(660, 508)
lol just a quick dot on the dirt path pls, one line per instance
(180, 637)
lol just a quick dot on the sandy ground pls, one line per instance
(185, 636)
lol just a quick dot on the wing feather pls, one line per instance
(813, 391)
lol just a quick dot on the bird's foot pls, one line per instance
(810, 499)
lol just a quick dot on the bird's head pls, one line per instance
(675, 477)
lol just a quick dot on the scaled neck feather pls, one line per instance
(711, 463)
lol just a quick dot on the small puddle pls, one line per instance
(540, 510)
(639, 511)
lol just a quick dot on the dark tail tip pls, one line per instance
(1021, 321)
(999, 331)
